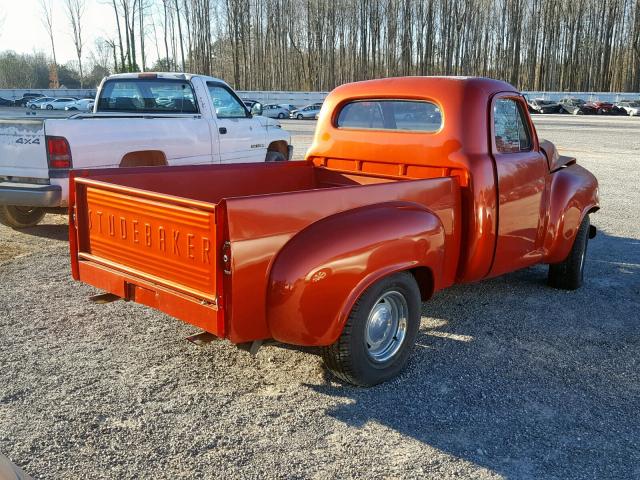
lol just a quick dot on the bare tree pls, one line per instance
(75, 11)
(47, 22)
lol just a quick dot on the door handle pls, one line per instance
(222, 130)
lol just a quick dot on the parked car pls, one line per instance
(606, 108)
(288, 106)
(26, 98)
(6, 102)
(83, 105)
(275, 111)
(57, 103)
(130, 129)
(539, 105)
(306, 112)
(631, 107)
(36, 102)
(372, 227)
(577, 106)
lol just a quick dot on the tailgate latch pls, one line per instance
(226, 257)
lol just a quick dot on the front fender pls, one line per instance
(574, 192)
(319, 273)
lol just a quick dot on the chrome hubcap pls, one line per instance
(386, 326)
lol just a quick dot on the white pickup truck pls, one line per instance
(139, 119)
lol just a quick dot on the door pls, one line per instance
(242, 137)
(521, 171)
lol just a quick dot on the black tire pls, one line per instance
(569, 274)
(273, 156)
(20, 217)
(32, 107)
(300, 116)
(349, 358)
(281, 115)
(49, 107)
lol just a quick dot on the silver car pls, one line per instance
(274, 111)
(57, 104)
(631, 107)
(36, 102)
(83, 105)
(309, 111)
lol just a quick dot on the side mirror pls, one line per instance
(256, 109)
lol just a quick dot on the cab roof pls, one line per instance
(165, 75)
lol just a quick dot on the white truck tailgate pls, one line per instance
(23, 149)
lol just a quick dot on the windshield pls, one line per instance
(156, 95)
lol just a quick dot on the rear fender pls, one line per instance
(574, 194)
(319, 274)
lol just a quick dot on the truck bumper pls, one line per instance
(30, 195)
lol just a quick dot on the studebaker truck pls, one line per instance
(411, 185)
(139, 119)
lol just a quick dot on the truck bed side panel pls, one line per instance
(98, 142)
(260, 226)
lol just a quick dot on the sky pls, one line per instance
(22, 30)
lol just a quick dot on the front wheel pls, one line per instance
(49, 107)
(569, 274)
(273, 156)
(379, 334)
(300, 116)
(20, 217)
(281, 115)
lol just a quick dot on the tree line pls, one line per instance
(555, 45)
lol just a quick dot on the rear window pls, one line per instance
(406, 115)
(147, 96)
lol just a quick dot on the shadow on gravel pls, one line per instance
(53, 232)
(522, 379)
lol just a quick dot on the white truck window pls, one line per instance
(226, 104)
(147, 96)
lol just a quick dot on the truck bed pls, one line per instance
(184, 239)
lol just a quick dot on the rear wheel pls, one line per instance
(15, 216)
(379, 334)
(569, 274)
(281, 115)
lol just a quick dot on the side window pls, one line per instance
(511, 130)
(225, 103)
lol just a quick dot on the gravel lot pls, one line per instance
(510, 378)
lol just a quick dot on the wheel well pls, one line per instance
(424, 278)
(279, 146)
(144, 158)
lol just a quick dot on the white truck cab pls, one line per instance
(139, 119)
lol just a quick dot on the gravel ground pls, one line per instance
(510, 378)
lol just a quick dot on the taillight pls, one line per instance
(58, 152)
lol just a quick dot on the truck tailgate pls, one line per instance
(156, 249)
(23, 149)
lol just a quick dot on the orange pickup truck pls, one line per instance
(410, 186)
